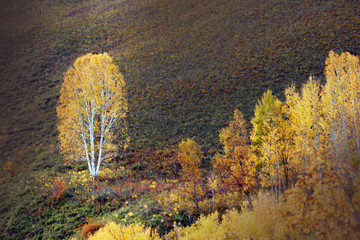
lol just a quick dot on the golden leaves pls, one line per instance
(92, 110)
(117, 231)
(235, 168)
(189, 157)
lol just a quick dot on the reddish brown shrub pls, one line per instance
(89, 228)
(59, 189)
(10, 167)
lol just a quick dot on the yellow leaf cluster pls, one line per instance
(259, 223)
(113, 231)
(91, 111)
(189, 158)
(319, 206)
(182, 197)
(236, 169)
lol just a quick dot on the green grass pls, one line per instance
(187, 64)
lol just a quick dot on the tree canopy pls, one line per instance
(92, 111)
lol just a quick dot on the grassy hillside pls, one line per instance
(187, 65)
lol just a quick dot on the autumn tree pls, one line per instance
(92, 111)
(189, 156)
(322, 206)
(270, 141)
(341, 98)
(306, 117)
(235, 167)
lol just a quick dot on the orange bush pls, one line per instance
(89, 228)
(59, 191)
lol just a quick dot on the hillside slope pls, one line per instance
(187, 64)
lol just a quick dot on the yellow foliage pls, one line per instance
(110, 173)
(235, 168)
(79, 178)
(315, 139)
(324, 121)
(341, 99)
(181, 197)
(322, 206)
(270, 142)
(318, 207)
(221, 202)
(189, 158)
(113, 231)
(204, 228)
(235, 134)
(305, 113)
(76, 178)
(259, 223)
(92, 105)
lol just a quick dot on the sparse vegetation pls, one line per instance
(187, 66)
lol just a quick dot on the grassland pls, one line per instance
(187, 64)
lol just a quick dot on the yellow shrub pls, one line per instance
(79, 178)
(204, 228)
(179, 197)
(120, 232)
(316, 208)
(221, 202)
(260, 223)
(83, 177)
(322, 206)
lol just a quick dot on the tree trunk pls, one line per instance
(196, 198)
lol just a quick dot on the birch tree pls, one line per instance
(306, 117)
(342, 104)
(92, 111)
